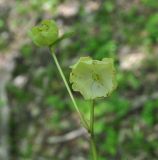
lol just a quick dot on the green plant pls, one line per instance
(151, 27)
(92, 78)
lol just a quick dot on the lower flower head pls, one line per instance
(44, 34)
(93, 78)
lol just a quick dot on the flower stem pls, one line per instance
(84, 122)
(92, 140)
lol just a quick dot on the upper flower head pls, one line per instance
(93, 78)
(44, 34)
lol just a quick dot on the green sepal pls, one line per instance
(64, 36)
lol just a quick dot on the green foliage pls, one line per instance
(20, 94)
(1, 23)
(41, 109)
(151, 27)
(128, 80)
(26, 50)
(55, 100)
(2, 103)
(109, 6)
(150, 3)
(148, 112)
(110, 144)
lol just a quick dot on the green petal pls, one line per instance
(93, 78)
(82, 59)
(107, 74)
(81, 77)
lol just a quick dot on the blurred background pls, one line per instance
(37, 118)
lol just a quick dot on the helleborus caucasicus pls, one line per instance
(44, 34)
(93, 78)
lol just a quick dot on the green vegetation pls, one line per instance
(40, 109)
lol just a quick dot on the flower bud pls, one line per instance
(44, 34)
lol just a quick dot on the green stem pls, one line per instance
(92, 119)
(93, 149)
(84, 122)
(92, 140)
